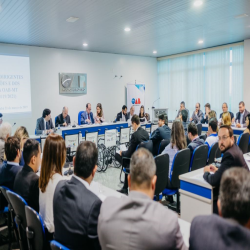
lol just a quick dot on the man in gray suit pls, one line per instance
(44, 123)
(230, 230)
(136, 221)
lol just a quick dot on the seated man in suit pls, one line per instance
(162, 132)
(137, 137)
(193, 137)
(44, 123)
(87, 116)
(123, 115)
(212, 135)
(197, 115)
(138, 222)
(225, 109)
(63, 119)
(207, 110)
(26, 182)
(230, 230)
(76, 208)
(184, 118)
(9, 169)
(241, 116)
(182, 107)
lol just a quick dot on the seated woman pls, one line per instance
(54, 156)
(226, 119)
(22, 134)
(212, 114)
(99, 116)
(142, 115)
(178, 142)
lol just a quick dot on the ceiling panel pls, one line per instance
(168, 26)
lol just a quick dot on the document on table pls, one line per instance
(122, 148)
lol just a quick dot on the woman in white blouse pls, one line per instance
(99, 116)
(54, 156)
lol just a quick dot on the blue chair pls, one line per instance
(146, 144)
(18, 204)
(79, 117)
(179, 166)
(213, 152)
(162, 145)
(35, 230)
(55, 245)
(199, 157)
(243, 142)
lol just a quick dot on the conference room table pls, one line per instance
(237, 131)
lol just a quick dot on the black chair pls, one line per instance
(55, 245)
(214, 152)
(235, 139)
(146, 144)
(204, 137)
(162, 169)
(199, 157)
(18, 204)
(35, 230)
(199, 127)
(162, 145)
(188, 141)
(243, 143)
(179, 166)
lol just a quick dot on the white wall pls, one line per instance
(103, 87)
(247, 73)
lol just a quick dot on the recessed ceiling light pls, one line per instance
(72, 19)
(154, 51)
(241, 16)
(198, 3)
(127, 29)
(200, 41)
(85, 44)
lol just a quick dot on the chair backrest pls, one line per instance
(146, 144)
(199, 127)
(18, 204)
(214, 152)
(179, 166)
(199, 157)
(243, 143)
(235, 139)
(55, 245)
(162, 169)
(204, 137)
(35, 229)
(4, 190)
(188, 141)
(162, 145)
(79, 117)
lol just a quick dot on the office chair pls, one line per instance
(199, 127)
(146, 144)
(79, 117)
(162, 145)
(214, 152)
(55, 245)
(199, 158)
(243, 142)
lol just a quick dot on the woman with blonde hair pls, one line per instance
(99, 116)
(54, 156)
(226, 119)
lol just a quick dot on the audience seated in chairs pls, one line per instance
(76, 208)
(193, 137)
(9, 169)
(162, 132)
(54, 156)
(137, 137)
(178, 142)
(230, 230)
(26, 181)
(5, 132)
(138, 222)
(212, 135)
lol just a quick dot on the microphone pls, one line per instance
(13, 124)
(154, 102)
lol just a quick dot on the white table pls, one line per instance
(247, 159)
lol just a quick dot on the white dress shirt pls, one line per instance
(12, 163)
(85, 183)
(44, 124)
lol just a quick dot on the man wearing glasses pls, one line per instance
(197, 115)
(232, 157)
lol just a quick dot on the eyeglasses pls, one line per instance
(223, 138)
(196, 107)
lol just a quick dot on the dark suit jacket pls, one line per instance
(213, 232)
(40, 125)
(84, 117)
(244, 117)
(158, 135)
(233, 157)
(8, 174)
(26, 185)
(119, 116)
(60, 120)
(194, 144)
(137, 137)
(76, 210)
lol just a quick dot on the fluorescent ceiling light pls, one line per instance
(154, 51)
(72, 19)
(241, 16)
(127, 29)
(198, 3)
(85, 44)
(200, 41)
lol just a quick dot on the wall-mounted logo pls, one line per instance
(136, 101)
(72, 83)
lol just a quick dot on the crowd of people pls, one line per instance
(77, 218)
